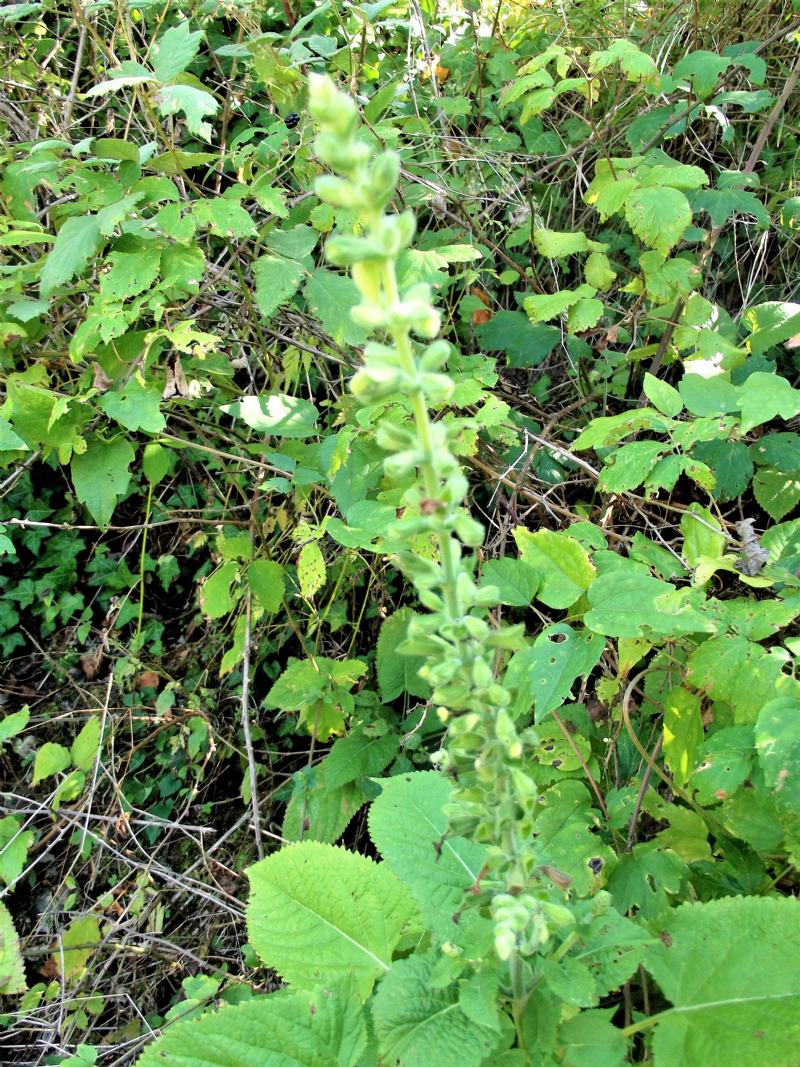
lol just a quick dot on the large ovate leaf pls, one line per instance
(101, 476)
(729, 967)
(544, 674)
(419, 1024)
(397, 672)
(77, 241)
(564, 567)
(317, 913)
(324, 1028)
(409, 828)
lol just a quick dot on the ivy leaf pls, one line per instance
(101, 476)
(136, 407)
(12, 967)
(331, 297)
(544, 674)
(408, 826)
(78, 241)
(397, 673)
(740, 1005)
(324, 1028)
(174, 51)
(659, 216)
(266, 581)
(409, 1012)
(646, 878)
(563, 565)
(318, 913)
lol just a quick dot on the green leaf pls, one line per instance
(331, 297)
(13, 724)
(741, 1005)
(311, 569)
(215, 594)
(563, 565)
(659, 216)
(408, 826)
(78, 241)
(662, 396)
(740, 673)
(174, 51)
(224, 216)
(86, 745)
(777, 736)
(136, 407)
(732, 464)
(723, 204)
(76, 947)
(779, 450)
(702, 535)
(515, 581)
(324, 1028)
(155, 463)
(358, 755)
(12, 967)
(541, 307)
(683, 733)
(183, 268)
(419, 1024)
(724, 763)
(631, 465)
(776, 492)
(556, 245)
(194, 103)
(14, 845)
(598, 271)
(714, 395)
(646, 879)
(632, 604)
(766, 396)
(544, 674)
(702, 70)
(266, 581)
(770, 324)
(397, 673)
(278, 414)
(126, 74)
(590, 1039)
(318, 913)
(101, 476)
(564, 837)
(316, 813)
(51, 758)
(524, 344)
(130, 273)
(584, 314)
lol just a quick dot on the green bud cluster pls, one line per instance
(495, 798)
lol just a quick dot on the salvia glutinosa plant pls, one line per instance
(495, 795)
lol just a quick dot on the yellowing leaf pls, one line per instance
(311, 570)
(76, 947)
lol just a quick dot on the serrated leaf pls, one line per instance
(101, 476)
(410, 1012)
(78, 241)
(86, 745)
(515, 581)
(631, 465)
(174, 51)
(771, 324)
(544, 674)
(318, 913)
(777, 493)
(267, 584)
(277, 280)
(182, 267)
(397, 673)
(358, 755)
(646, 879)
(408, 826)
(659, 216)
(524, 344)
(590, 1039)
(584, 314)
(224, 216)
(12, 967)
(331, 297)
(315, 813)
(195, 104)
(324, 1028)
(740, 1005)
(311, 569)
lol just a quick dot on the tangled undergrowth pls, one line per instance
(480, 562)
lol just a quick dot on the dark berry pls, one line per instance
(292, 120)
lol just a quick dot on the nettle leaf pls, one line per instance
(659, 216)
(277, 280)
(174, 51)
(77, 243)
(397, 673)
(419, 1024)
(267, 584)
(515, 581)
(544, 674)
(324, 1028)
(101, 476)
(311, 569)
(278, 414)
(331, 297)
(738, 1005)
(555, 245)
(359, 755)
(12, 966)
(408, 826)
(195, 104)
(564, 567)
(776, 492)
(318, 913)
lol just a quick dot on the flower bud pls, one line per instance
(383, 176)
